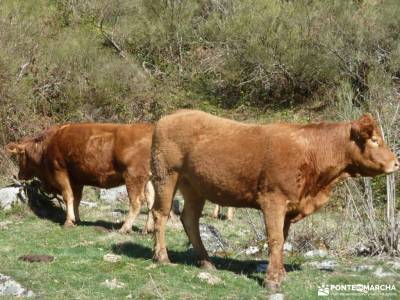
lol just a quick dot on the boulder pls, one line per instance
(11, 196)
(277, 296)
(212, 239)
(209, 278)
(114, 194)
(316, 253)
(325, 265)
(10, 288)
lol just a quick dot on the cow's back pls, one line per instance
(98, 154)
(222, 159)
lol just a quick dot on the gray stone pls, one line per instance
(325, 265)
(9, 287)
(11, 196)
(316, 253)
(277, 296)
(395, 264)
(252, 250)
(362, 249)
(212, 239)
(209, 278)
(380, 273)
(113, 284)
(4, 224)
(362, 268)
(89, 204)
(117, 215)
(113, 258)
(287, 247)
(114, 194)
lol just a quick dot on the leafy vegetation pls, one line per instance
(125, 61)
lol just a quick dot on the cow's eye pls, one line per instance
(375, 141)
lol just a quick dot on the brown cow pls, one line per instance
(67, 157)
(285, 170)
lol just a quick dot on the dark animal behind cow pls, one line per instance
(286, 170)
(67, 157)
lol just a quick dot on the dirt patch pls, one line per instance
(36, 258)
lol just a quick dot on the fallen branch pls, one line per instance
(110, 39)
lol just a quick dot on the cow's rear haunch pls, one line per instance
(285, 170)
(67, 157)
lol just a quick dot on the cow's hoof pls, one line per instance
(161, 258)
(206, 265)
(271, 285)
(69, 224)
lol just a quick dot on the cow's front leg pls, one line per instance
(63, 182)
(274, 209)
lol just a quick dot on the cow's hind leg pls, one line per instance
(190, 219)
(165, 189)
(149, 195)
(77, 190)
(135, 187)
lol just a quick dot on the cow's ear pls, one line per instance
(363, 127)
(14, 148)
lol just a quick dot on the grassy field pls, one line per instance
(79, 270)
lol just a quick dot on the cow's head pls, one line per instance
(369, 154)
(29, 157)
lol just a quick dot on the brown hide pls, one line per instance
(286, 170)
(67, 157)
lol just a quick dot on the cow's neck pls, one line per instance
(328, 159)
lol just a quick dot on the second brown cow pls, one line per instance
(285, 170)
(67, 157)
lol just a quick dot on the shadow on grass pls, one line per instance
(245, 267)
(44, 206)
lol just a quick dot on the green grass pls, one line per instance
(79, 270)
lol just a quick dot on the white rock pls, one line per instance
(326, 265)
(277, 296)
(112, 257)
(89, 204)
(395, 265)
(380, 273)
(4, 224)
(114, 194)
(287, 247)
(209, 278)
(11, 196)
(252, 250)
(113, 284)
(11, 288)
(316, 253)
(363, 268)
